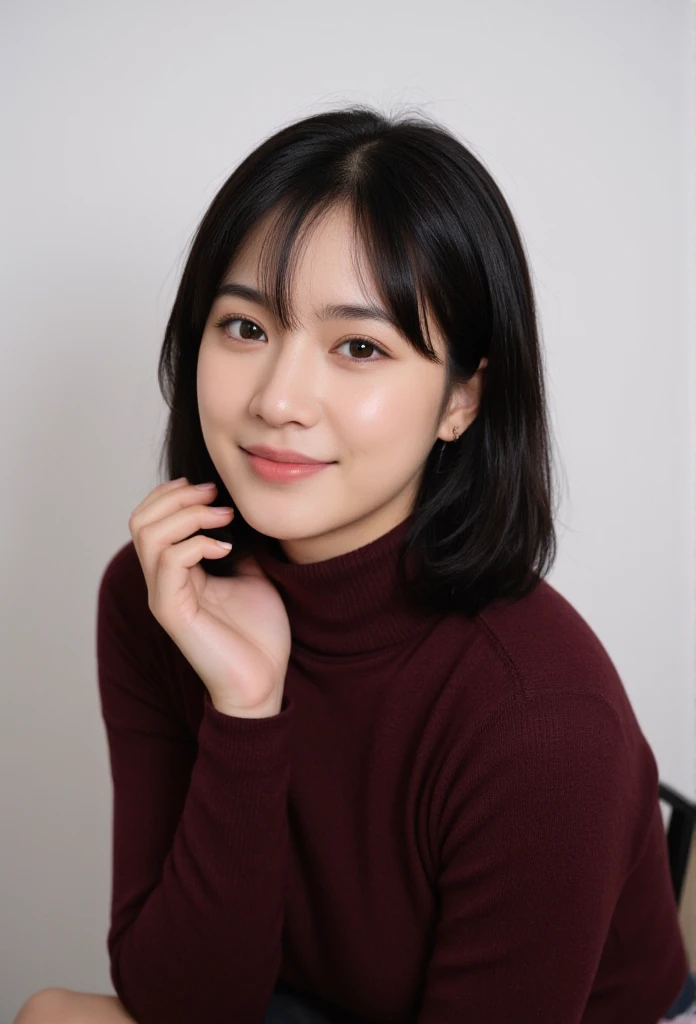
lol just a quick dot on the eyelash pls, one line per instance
(226, 320)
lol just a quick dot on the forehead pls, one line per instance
(326, 255)
(329, 273)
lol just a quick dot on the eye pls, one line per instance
(250, 332)
(364, 342)
(247, 331)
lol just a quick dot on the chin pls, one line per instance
(283, 524)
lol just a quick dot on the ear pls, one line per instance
(463, 406)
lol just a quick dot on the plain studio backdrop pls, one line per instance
(119, 123)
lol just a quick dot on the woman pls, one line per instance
(368, 764)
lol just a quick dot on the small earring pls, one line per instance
(443, 443)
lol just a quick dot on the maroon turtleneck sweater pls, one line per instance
(448, 820)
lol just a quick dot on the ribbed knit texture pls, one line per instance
(449, 819)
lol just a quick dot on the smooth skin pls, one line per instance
(64, 1006)
(234, 631)
(350, 391)
(322, 389)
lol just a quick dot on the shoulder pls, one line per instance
(144, 680)
(545, 646)
(123, 611)
(540, 699)
(550, 683)
(124, 574)
(538, 659)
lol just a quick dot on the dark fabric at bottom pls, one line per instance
(287, 1009)
(685, 998)
(288, 1006)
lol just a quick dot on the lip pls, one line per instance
(283, 455)
(283, 472)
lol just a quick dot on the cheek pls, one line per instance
(215, 388)
(204, 376)
(388, 420)
(364, 420)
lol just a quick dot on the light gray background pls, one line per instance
(119, 123)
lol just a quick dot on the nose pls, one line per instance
(290, 387)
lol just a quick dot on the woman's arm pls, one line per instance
(200, 832)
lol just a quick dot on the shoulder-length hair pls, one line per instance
(439, 236)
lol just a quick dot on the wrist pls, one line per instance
(265, 710)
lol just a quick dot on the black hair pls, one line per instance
(440, 238)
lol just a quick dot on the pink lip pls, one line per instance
(280, 472)
(283, 455)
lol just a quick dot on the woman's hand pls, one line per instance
(234, 631)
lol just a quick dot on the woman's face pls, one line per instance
(348, 390)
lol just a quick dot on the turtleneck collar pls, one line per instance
(349, 604)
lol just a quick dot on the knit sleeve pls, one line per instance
(544, 816)
(200, 833)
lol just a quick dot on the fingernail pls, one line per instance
(202, 487)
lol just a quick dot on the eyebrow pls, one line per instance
(332, 311)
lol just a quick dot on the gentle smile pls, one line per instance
(283, 472)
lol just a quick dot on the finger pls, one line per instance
(156, 492)
(169, 521)
(175, 564)
(163, 499)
